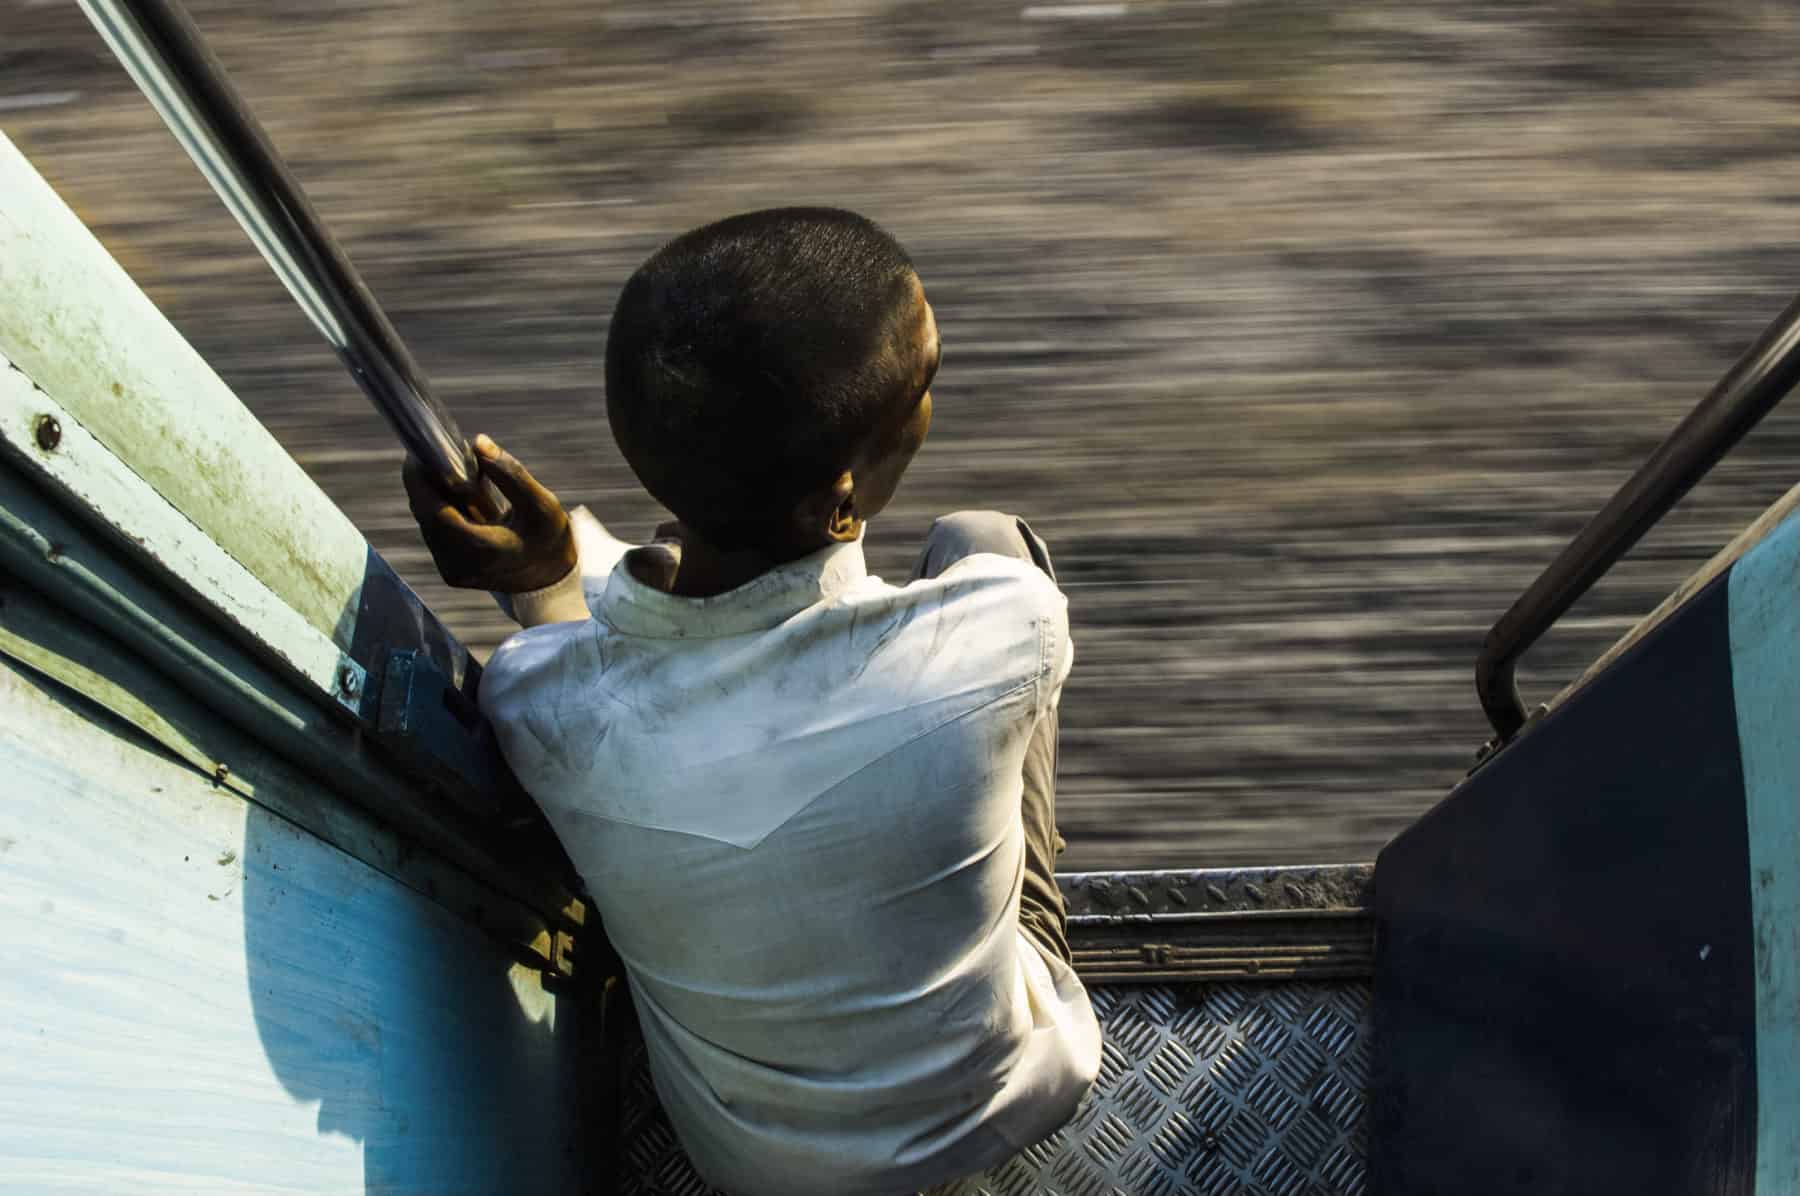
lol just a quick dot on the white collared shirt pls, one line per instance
(796, 806)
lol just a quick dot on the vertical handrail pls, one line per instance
(162, 49)
(1758, 380)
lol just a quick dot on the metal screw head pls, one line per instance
(347, 681)
(47, 431)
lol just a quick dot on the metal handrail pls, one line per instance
(159, 44)
(1748, 391)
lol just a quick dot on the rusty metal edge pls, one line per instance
(1123, 895)
(1302, 922)
(1248, 946)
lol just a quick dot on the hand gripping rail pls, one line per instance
(162, 49)
(1758, 380)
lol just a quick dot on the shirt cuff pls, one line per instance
(598, 551)
(560, 602)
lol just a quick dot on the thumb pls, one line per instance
(513, 480)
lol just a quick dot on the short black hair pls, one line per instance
(749, 359)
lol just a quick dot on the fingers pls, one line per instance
(422, 497)
(411, 474)
(513, 480)
(430, 509)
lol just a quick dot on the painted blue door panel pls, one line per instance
(196, 996)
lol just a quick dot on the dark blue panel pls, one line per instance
(1564, 993)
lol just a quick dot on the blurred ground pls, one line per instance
(1305, 333)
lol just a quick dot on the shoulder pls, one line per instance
(1003, 582)
(531, 661)
(988, 616)
(1015, 598)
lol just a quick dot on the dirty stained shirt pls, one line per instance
(796, 806)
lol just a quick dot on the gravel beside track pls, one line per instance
(1304, 333)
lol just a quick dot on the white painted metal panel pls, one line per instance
(196, 996)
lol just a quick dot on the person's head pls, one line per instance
(767, 376)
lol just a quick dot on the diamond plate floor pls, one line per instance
(1204, 1090)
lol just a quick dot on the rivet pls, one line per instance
(47, 432)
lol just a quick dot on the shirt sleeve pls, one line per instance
(1031, 593)
(1057, 656)
(566, 600)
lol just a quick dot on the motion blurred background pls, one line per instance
(1305, 333)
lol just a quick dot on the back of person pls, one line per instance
(800, 819)
(796, 797)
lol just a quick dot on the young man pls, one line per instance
(815, 810)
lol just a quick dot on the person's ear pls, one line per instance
(842, 526)
(827, 515)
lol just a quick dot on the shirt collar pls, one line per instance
(629, 606)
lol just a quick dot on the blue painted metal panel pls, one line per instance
(1765, 677)
(196, 996)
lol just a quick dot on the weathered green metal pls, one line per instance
(73, 322)
(91, 480)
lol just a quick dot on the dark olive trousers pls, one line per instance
(965, 533)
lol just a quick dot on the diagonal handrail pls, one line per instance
(162, 49)
(1757, 381)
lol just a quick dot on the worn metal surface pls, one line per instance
(1318, 945)
(77, 326)
(1284, 923)
(1204, 1090)
(1294, 887)
(90, 481)
(199, 997)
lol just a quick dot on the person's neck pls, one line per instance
(707, 570)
